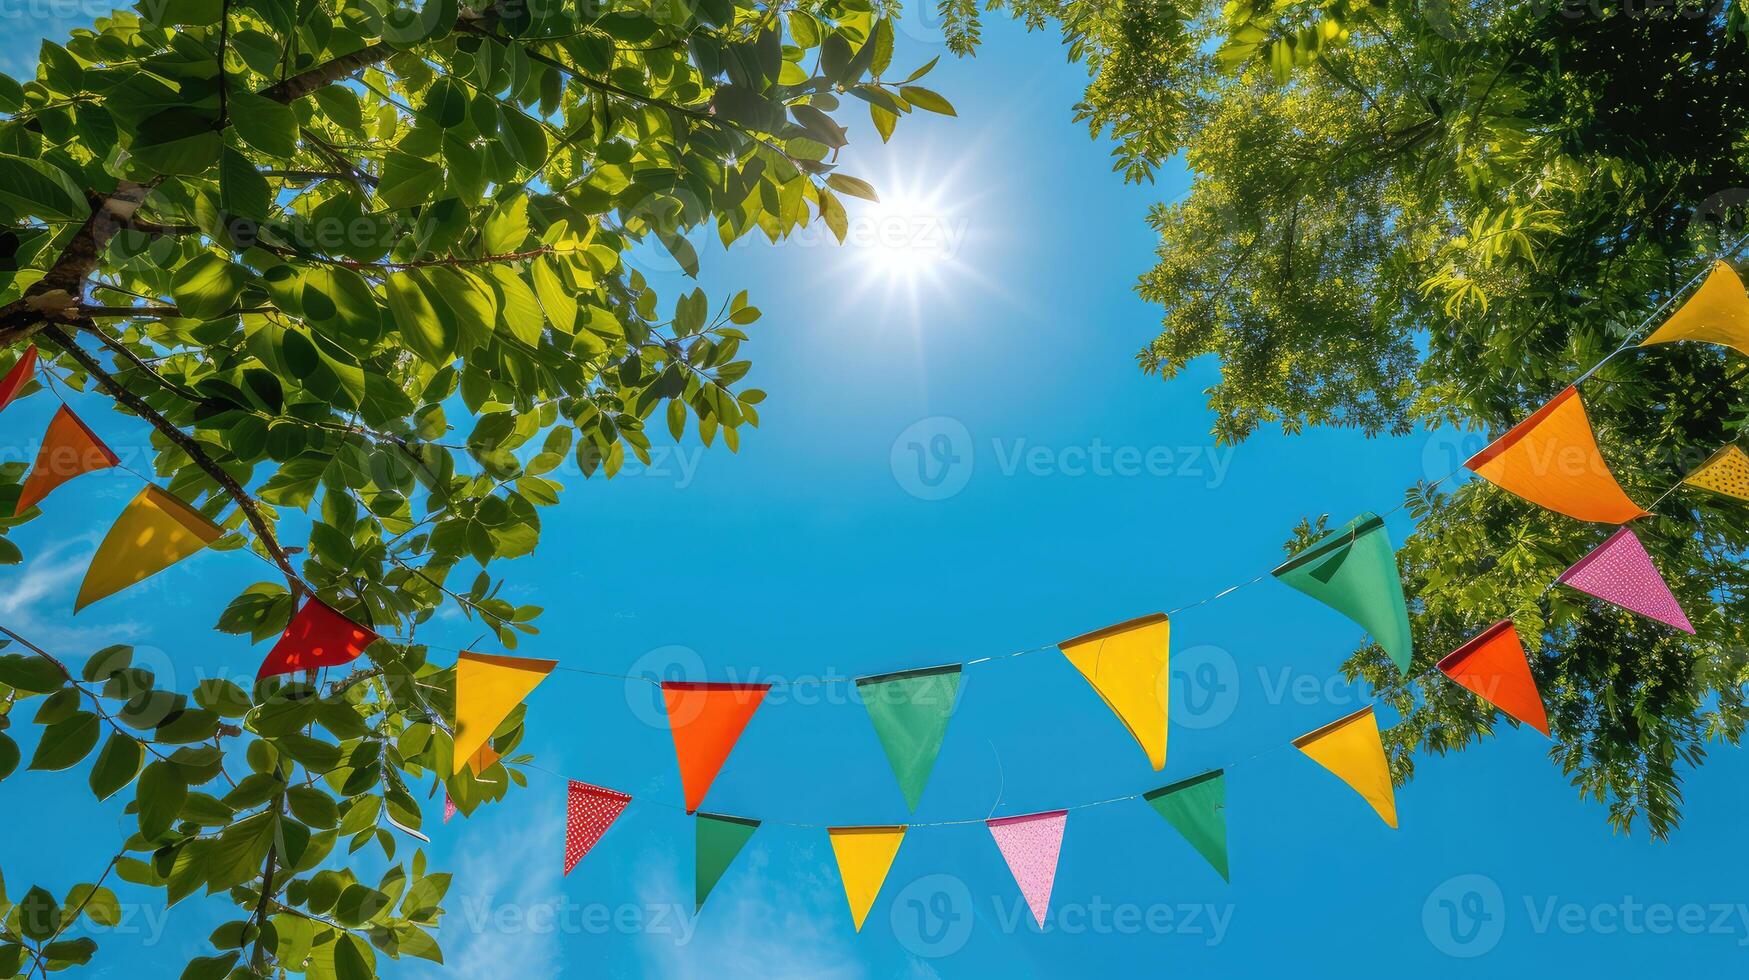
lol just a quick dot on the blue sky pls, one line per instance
(986, 321)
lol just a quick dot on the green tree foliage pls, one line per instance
(1434, 216)
(305, 242)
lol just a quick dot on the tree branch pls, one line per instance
(183, 441)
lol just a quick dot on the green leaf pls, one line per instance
(177, 141)
(238, 853)
(560, 305)
(523, 137)
(207, 286)
(923, 98)
(95, 903)
(39, 915)
(161, 793)
(116, 765)
(408, 180)
(264, 124)
(66, 742)
(424, 332)
(40, 189)
(353, 960)
(29, 673)
(106, 662)
(846, 184)
(242, 189)
(9, 755)
(210, 967)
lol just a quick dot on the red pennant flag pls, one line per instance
(592, 809)
(317, 637)
(1494, 666)
(16, 377)
(69, 449)
(706, 720)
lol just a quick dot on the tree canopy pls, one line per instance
(363, 264)
(1435, 216)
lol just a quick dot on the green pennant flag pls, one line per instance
(910, 710)
(1354, 571)
(1197, 807)
(720, 838)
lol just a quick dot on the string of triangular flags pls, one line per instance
(1551, 459)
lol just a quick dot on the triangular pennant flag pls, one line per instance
(1494, 666)
(15, 378)
(1551, 459)
(1619, 571)
(1726, 472)
(449, 807)
(1351, 748)
(864, 854)
(487, 689)
(1130, 666)
(317, 637)
(482, 760)
(69, 449)
(1030, 844)
(719, 839)
(910, 712)
(1717, 313)
(706, 720)
(1198, 808)
(155, 531)
(589, 811)
(1354, 571)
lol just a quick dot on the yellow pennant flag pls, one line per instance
(1350, 747)
(864, 856)
(1717, 313)
(156, 530)
(1128, 665)
(487, 688)
(1726, 472)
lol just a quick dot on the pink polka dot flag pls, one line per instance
(1030, 845)
(1619, 571)
(591, 810)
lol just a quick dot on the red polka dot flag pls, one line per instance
(592, 809)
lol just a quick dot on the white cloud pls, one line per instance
(762, 921)
(496, 921)
(37, 600)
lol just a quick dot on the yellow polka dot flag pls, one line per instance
(1726, 472)
(1350, 747)
(156, 530)
(1128, 664)
(864, 854)
(1717, 313)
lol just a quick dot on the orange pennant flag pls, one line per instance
(1350, 747)
(16, 377)
(482, 760)
(1717, 313)
(1551, 459)
(706, 721)
(1493, 665)
(69, 449)
(156, 531)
